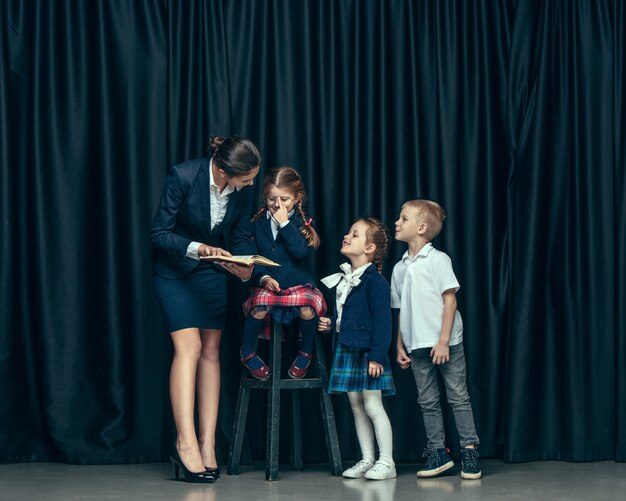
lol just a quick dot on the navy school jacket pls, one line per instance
(184, 215)
(290, 250)
(366, 316)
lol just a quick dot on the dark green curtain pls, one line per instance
(508, 113)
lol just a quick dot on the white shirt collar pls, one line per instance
(355, 273)
(422, 253)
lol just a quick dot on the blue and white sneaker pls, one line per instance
(437, 461)
(469, 464)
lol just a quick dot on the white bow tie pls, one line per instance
(344, 281)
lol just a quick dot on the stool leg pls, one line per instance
(241, 413)
(273, 407)
(297, 430)
(328, 416)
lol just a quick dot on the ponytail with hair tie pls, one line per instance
(307, 230)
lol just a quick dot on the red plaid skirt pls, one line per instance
(284, 305)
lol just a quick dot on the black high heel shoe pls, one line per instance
(203, 477)
(213, 471)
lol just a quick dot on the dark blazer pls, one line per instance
(184, 216)
(290, 249)
(366, 316)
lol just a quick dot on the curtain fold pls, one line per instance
(619, 222)
(81, 348)
(562, 321)
(508, 113)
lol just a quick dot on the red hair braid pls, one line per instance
(307, 230)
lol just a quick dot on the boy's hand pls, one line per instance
(403, 359)
(270, 284)
(375, 369)
(323, 325)
(440, 353)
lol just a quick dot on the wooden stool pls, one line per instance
(274, 384)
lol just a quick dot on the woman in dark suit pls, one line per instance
(205, 203)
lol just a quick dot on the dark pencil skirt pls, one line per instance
(196, 300)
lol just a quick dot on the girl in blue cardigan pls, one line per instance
(362, 335)
(282, 233)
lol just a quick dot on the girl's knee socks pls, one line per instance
(251, 328)
(308, 328)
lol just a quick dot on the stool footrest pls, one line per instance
(274, 384)
(284, 384)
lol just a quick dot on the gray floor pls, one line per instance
(536, 481)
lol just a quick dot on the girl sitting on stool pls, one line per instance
(282, 233)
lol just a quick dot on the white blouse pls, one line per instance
(219, 205)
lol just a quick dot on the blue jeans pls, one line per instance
(454, 377)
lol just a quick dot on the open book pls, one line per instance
(247, 260)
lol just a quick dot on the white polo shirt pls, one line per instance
(417, 287)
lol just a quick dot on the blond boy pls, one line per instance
(430, 338)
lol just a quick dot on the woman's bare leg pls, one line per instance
(187, 348)
(208, 390)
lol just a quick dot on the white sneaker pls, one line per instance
(358, 470)
(382, 470)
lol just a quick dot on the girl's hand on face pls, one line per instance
(281, 215)
(271, 284)
(375, 369)
(323, 324)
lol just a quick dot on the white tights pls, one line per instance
(371, 421)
